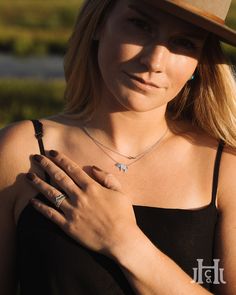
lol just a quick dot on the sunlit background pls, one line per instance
(33, 38)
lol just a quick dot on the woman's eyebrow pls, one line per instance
(194, 35)
(142, 13)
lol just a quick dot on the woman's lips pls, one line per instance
(142, 83)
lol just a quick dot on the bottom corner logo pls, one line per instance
(212, 274)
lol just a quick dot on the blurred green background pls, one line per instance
(41, 28)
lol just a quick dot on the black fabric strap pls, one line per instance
(216, 170)
(38, 128)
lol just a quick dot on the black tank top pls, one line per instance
(51, 263)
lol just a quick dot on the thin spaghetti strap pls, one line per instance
(216, 170)
(38, 128)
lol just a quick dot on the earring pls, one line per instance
(192, 78)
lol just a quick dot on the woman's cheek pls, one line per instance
(183, 70)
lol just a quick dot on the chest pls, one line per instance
(159, 179)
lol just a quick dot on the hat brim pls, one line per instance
(222, 31)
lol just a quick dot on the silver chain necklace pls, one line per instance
(122, 166)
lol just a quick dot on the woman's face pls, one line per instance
(145, 55)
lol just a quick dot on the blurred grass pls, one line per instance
(28, 99)
(231, 21)
(36, 27)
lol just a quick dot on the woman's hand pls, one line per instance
(98, 217)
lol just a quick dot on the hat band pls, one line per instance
(197, 10)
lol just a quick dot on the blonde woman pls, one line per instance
(134, 190)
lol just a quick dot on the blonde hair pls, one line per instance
(80, 62)
(208, 101)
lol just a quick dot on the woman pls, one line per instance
(135, 193)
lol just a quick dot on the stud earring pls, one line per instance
(192, 78)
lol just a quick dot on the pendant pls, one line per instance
(122, 167)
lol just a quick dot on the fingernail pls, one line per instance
(35, 202)
(30, 176)
(53, 153)
(96, 168)
(37, 158)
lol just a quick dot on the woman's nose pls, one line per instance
(155, 58)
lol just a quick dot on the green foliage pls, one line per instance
(25, 99)
(39, 14)
(231, 19)
(38, 42)
(36, 27)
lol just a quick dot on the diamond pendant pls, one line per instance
(122, 167)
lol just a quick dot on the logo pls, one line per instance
(211, 274)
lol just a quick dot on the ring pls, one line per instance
(59, 199)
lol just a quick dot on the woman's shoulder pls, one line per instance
(18, 139)
(227, 177)
(15, 142)
(18, 142)
(203, 150)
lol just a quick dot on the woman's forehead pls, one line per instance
(154, 14)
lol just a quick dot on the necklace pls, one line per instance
(122, 166)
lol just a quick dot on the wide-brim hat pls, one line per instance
(206, 14)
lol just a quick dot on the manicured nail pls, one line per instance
(30, 176)
(37, 158)
(34, 202)
(96, 168)
(53, 153)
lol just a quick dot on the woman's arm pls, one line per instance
(151, 272)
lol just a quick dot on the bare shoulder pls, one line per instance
(17, 144)
(227, 183)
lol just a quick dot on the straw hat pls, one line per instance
(207, 14)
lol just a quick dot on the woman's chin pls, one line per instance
(140, 105)
(138, 102)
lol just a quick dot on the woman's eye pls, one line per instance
(141, 24)
(184, 43)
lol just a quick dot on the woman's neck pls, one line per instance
(128, 132)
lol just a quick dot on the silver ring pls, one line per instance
(59, 199)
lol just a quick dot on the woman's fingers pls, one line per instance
(59, 176)
(50, 213)
(51, 193)
(81, 178)
(106, 179)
